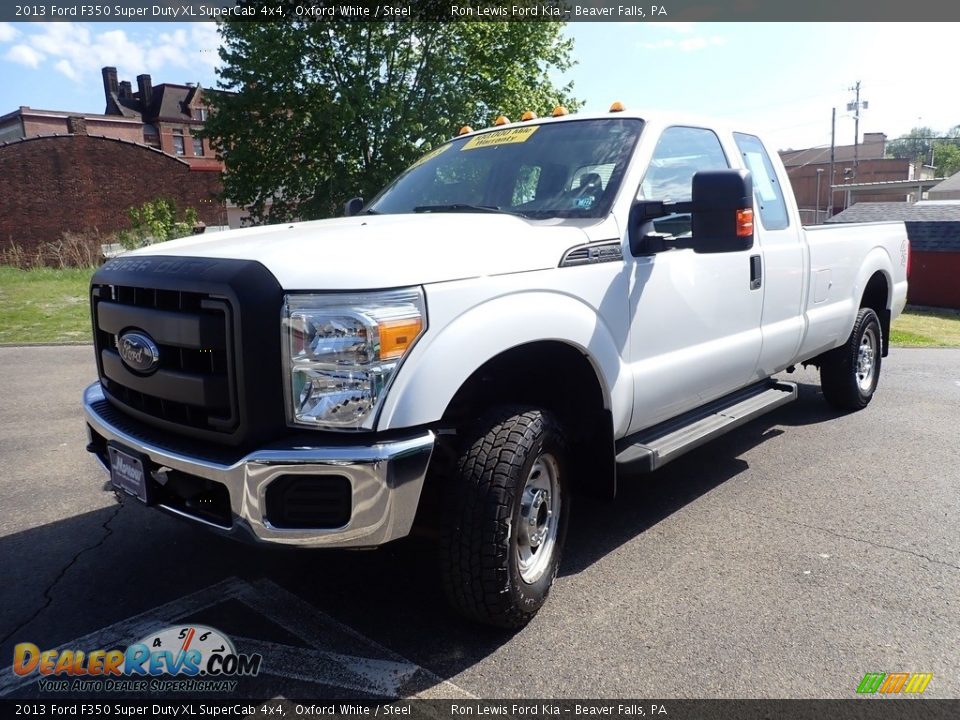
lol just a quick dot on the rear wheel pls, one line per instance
(505, 518)
(849, 374)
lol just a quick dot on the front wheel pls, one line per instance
(849, 373)
(505, 518)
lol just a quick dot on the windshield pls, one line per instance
(568, 169)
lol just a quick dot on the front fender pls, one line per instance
(446, 357)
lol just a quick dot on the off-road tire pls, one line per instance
(483, 549)
(843, 379)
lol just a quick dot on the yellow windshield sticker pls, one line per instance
(501, 137)
(430, 155)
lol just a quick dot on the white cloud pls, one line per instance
(688, 44)
(699, 43)
(78, 52)
(7, 32)
(66, 68)
(25, 55)
(680, 27)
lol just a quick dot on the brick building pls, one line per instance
(166, 116)
(65, 171)
(171, 115)
(26, 122)
(81, 183)
(809, 171)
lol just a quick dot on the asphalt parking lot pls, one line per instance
(786, 559)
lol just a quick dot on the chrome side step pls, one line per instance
(655, 447)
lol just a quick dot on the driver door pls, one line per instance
(695, 320)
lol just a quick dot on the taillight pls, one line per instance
(909, 258)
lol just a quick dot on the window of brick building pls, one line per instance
(178, 146)
(197, 146)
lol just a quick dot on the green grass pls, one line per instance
(44, 306)
(926, 328)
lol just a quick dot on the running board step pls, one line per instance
(655, 447)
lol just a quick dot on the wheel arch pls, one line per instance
(878, 296)
(540, 349)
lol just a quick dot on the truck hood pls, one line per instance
(374, 251)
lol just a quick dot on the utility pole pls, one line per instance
(856, 106)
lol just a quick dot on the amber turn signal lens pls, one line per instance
(745, 223)
(501, 120)
(397, 335)
(465, 129)
(560, 111)
(617, 106)
(528, 115)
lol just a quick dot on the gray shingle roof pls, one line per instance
(933, 227)
(951, 184)
(934, 236)
(880, 211)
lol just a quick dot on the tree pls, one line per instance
(325, 110)
(914, 145)
(156, 221)
(946, 157)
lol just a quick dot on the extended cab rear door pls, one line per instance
(694, 317)
(779, 242)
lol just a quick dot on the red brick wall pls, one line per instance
(43, 125)
(78, 183)
(933, 279)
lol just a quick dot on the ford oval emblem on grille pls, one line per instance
(138, 351)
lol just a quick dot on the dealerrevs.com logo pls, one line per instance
(192, 658)
(894, 683)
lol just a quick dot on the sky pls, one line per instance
(778, 79)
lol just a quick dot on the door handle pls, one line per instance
(756, 272)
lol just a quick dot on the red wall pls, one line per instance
(935, 279)
(78, 183)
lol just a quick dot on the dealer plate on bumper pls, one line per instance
(128, 473)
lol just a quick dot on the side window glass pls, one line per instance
(766, 187)
(680, 152)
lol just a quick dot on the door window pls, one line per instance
(680, 152)
(766, 188)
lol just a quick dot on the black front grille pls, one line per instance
(216, 327)
(194, 383)
(309, 501)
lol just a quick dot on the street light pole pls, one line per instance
(819, 174)
(833, 142)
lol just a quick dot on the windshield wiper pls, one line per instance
(465, 207)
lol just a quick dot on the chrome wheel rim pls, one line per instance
(867, 360)
(539, 518)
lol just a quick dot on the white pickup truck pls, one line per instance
(530, 309)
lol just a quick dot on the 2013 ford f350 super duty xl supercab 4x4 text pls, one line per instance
(529, 308)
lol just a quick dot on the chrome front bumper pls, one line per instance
(385, 477)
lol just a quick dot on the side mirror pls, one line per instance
(352, 206)
(722, 211)
(721, 216)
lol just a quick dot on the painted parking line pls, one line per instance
(368, 667)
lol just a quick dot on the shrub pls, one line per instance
(156, 221)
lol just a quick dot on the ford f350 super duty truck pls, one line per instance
(532, 308)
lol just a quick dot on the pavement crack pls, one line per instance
(852, 538)
(48, 591)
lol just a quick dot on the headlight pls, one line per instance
(342, 351)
